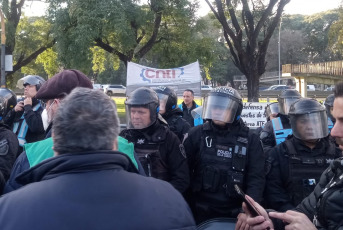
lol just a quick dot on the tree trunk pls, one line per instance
(253, 82)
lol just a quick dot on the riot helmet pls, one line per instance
(8, 100)
(329, 106)
(167, 98)
(222, 104)
(286, 99)
(271, 109)
(30, 80)
(308, 119)
(142, 106)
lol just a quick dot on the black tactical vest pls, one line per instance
(305, 171)
(147, 149)
(223, 164)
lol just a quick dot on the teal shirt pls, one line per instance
(39, 151)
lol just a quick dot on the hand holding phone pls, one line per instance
(253, 210)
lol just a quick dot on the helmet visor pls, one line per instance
(285, 104)
(163, 102)
(196, 113)
(272, 109)
(310, 126)
(220, 108)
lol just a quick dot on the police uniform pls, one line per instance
(27, 124)
(219, 158)
(170, 112)
(176, 123)
(8, 153)
(294, 170)
(161, 154)
(270, 136)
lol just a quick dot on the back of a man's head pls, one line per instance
(87, 120)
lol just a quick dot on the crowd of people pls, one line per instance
(66, 165)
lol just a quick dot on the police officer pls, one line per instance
(322, 209)
(159, 150)
(8, 140)
(170, 112)
(271, 111)
(276, 130)
(296, 164)
(25, 118)
(329, 107)
(223, 152)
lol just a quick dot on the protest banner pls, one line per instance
(253, 114)
(180, 78)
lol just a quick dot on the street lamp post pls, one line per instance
(280, 51)
(3, 45)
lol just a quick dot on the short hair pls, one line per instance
(86, 120)
(338, 91)
(189, 90)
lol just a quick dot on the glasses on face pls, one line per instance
(44, 104)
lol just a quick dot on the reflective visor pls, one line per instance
(272, 108)
(163, 102)
(220, 108)
(310, 126)
(287, 102)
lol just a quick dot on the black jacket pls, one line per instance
(170, 149)
(254, 177)
(281, 193)
(267, 134)
(176, 123)
(8, 153)
(324, 205)
(187, 115)
(92, 190)
(33, 119)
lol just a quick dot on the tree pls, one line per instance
(247, 33)
(120, 27)
(25, 38)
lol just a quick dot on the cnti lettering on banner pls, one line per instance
(162, 75)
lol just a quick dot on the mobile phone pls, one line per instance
(253, 210)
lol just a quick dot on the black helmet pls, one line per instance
(329, 106)
(31, 80)
(222, 104)
(168, 99)
(272, 108)
(8, 100)
(308, 119)
(142, 97)
(286, 99)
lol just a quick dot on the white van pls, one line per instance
(311, 88)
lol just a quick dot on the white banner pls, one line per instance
(253, 114)
(180, 78)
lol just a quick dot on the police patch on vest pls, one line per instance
(3, 147)
(224, 152)
(182, 150)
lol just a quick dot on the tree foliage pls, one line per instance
(26, 38)
(121, 27)
(248, 27)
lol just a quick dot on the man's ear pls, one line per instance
(115, 144)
